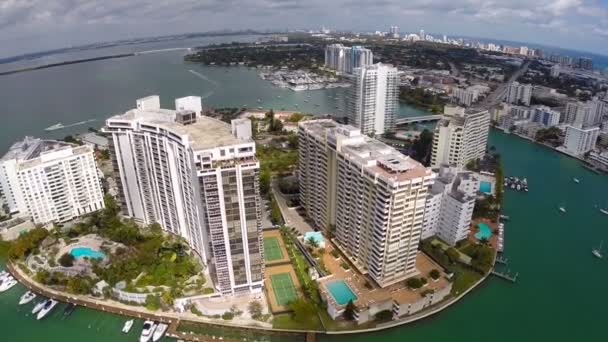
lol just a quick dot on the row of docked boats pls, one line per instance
(515, 183)
(6, 281)
(151, 331)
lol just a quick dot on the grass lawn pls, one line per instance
(463, 279)
(285, 321)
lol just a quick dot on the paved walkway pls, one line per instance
(290, 215)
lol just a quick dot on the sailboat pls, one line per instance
(597, 252)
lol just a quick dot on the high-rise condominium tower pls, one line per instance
(460, 137)
(344, 59)
(51, 181)
(198, 178)
(373, 101)
(374, 195)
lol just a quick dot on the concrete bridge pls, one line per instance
(416, 119)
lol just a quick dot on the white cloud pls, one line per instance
(26, 23)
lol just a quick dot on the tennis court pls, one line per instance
(272, 249)
(283, 288)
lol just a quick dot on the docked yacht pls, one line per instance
(159, 332)
(49, 305)
(147, 332)
(27, 297)
(7, 283)
(38, 306)
(127, 327)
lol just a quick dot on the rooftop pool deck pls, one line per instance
(341, 292)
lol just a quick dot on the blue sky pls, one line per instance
(34, 25)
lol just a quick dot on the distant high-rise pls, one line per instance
(373, 101)
(422, 35)
(49, 180)
(519, 93)
(460, 137)
(198, 178)
(580, 140)
(345, 59)
(545, 116)
(584, 114)
(374, 195)
(394, 31)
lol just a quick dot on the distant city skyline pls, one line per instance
(38, 25)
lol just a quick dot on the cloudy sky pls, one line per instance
(34, 25)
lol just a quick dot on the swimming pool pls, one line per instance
(485, 232)
(341, 292)
(485, 187)
(81, 252)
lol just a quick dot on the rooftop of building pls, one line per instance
(30, 148)
(367, 152)
(52, 151)
(205, 133)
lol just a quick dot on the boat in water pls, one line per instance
(39, 306)
(67, 312)
(604, 211)
(576, 180)
(7, 284)
(562, 209)
(147, 331)
(159, 332)
(55, 127)
(597, 252)
(127, 327)
(27, 297)
(49, 305)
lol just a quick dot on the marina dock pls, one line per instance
(505, 276)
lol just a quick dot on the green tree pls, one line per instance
(79, 285)
(435, 274)
(312, 242)
(414, 283)
(422, 146)
(303, 310)
(152, 302)
(349, 311)
(66, 260)
(255, 309)
(452, 254)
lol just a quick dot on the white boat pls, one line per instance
(597, 252)
(576, 180)
(604, 211)
(562, 209)
(54, 127)
(27, 297)
(127, 327)
(147, 332)
(38, 306)
(7, 284)
(159, 332)
(49, 305)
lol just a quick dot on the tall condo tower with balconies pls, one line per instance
(373, 195)
(198, 178)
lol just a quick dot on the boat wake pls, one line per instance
(62, 126)
(207, 94)
(203, 77)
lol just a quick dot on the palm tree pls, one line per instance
(312, 242)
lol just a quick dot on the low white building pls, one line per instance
(50, 181)
(450, 204)
(580, 140)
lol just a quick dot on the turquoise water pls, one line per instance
(485, 232)
(485, 187)
(317, 236)
(81, 252)
(341, 292)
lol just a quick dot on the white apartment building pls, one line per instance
(545, 116)
(580, 140)
(51, 181)
(580, 114)
(344, 59)
(198, 178)
(460, 136)
(464, 96)
(374, 195)
(373, 101)
(450, 205)
(519, 93)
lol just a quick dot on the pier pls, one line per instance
(505, 276)
(502, 260)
